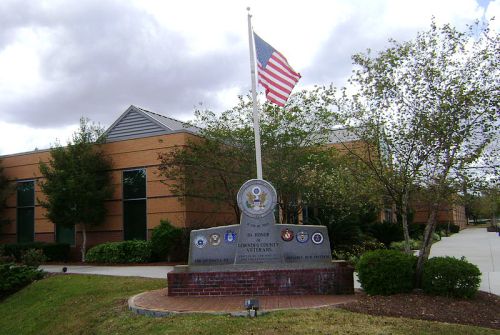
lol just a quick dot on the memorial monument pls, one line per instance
(260, 257)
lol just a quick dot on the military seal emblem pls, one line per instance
(214, 239)
(230, 236)
(200, 241)
(302, 237)
(317, 238)
(287, 235)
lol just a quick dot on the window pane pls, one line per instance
(65, 234)
(134, 184)
(25, 193)
(134, 220)
(25, 224)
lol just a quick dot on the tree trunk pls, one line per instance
(83, 249)
(425, 251)
(404, 222)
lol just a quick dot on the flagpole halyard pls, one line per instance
(256, 125)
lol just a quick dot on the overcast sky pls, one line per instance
(60, 60)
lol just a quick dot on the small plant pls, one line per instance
(120, 252)
(414, 245)
(164, 238)
(352, 253)
(451, 277)
(385, 272)
(33, 257)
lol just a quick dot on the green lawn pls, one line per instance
(77, 304)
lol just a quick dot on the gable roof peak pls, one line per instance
(137, 122)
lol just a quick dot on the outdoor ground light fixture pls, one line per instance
(252, 306)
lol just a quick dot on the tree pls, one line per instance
(76, 181)
(486, 204)
(295, 156)
(430, 108)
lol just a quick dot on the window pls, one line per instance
(25, 211)
(134, 205)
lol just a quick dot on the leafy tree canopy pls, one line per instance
(430, 108)
(76, 180)
(296, 157)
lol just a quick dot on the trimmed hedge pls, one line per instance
(385, 272)
(57, 252)
(14, 277)
(164, 238)
(451, 277)
(120, 252)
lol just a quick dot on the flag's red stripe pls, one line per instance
(275, 78)
(275, 92)
(279, 58)
(286, 73)
(277, 83)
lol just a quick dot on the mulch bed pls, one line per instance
(483, 310)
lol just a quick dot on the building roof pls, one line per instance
(342, 135)
(137, 122)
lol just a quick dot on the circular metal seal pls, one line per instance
(302, 237)
(256, 198)
(317, 238)
(214, 239)
(287, 235)
(200, 241)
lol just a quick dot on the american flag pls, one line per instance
(274, 73)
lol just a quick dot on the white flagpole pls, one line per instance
(256, 126)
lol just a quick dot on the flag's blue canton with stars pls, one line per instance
(274, 73)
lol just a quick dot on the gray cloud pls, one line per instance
(106, 55)
(333, 61)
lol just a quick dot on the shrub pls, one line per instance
(56, 251)
(451, 277)
(416, 230)
(4, 258)
(352, 253)
(120, 252)
(386, 272)
(53, 251)
(386, 232)
(33, 257)
(163, 240)
(414, 245)
(446, 229)
(14, 277)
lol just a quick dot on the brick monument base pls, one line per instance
(245, 280)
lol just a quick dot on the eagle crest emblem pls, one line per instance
(256, 199)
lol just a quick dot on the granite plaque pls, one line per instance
(258, 239)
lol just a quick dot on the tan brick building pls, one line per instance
(140, 198)
(448, 214)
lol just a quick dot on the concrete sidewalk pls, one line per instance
(125, 271)
(478, 247)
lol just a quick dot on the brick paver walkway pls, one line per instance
(159, 301)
